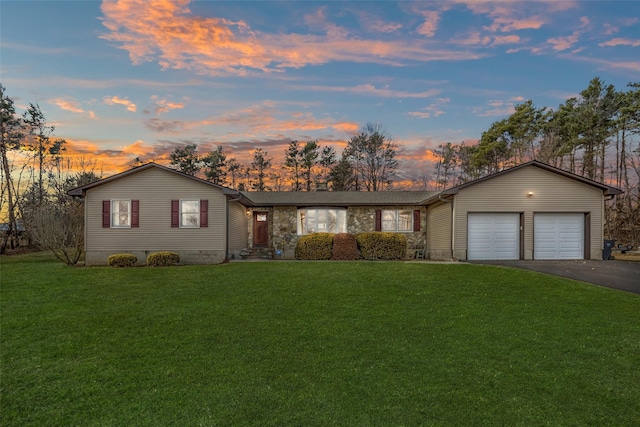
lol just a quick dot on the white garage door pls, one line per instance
(558, 236)
(493, 236)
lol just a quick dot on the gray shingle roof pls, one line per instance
(338, 198)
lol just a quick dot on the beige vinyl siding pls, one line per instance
(155, 188)
(439, 231)
(508, 193)
(238, 227)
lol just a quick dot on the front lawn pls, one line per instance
(313, 343)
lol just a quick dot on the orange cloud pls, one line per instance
(168, 32)
(120, 101)
(164, 106)
(67, 105)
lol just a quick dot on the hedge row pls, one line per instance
(156, 259)
(343, 246)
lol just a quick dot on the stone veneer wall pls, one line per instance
(285, 230)
(363, 219)
(283, 226)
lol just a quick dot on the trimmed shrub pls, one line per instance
(382, 245)
(345, 247)
(316, 246)
(122, 260)
(163, 259)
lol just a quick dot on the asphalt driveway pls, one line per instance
(623, 275)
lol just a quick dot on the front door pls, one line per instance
(260, 229)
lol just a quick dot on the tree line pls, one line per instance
(366, 164)
(594, 135)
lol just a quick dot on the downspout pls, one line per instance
(453, 223)
(226, 234)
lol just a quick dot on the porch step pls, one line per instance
(256, 253)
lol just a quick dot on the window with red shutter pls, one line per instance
(204, 213)
(175, 213)
(106, 213)
(135, 213)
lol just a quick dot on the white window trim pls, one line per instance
(339, 229)
(181, 213)
(114, 212)
(397, 219)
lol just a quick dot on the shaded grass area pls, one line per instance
(313, 343)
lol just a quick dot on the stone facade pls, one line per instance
(284, 233)
(283, 228)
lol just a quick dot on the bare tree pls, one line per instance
(372, 153)
(40, 144)
(59, 228)
(11, 133)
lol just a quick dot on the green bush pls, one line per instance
(122, 260)
(162, 259)
(382, 245)
(314, 246)
(345, 247)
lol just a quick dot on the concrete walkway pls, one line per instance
(622, 275)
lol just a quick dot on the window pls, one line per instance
(120, 213)
(397, 220)
(322, 220)
(189, 213)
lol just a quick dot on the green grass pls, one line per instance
(313, 343)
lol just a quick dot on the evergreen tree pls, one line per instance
(186, 160)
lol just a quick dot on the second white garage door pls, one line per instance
(493, 236)
(558, 236)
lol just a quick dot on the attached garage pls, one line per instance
(530, 211)
(558, 235)
(493, 236)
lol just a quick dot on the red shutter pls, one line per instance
(204, 213)
(378, 220)
(106, 213)
(135, 213)
(175, 213)
(416, 220)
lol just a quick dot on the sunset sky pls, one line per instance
(137, 78)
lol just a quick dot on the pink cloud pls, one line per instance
(620, 42)
(373, 23)
(510, 39)
(430, 25)
(370, 89)
(507, 23)
(563, 43)
(432, 110)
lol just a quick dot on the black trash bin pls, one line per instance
(608, 246)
